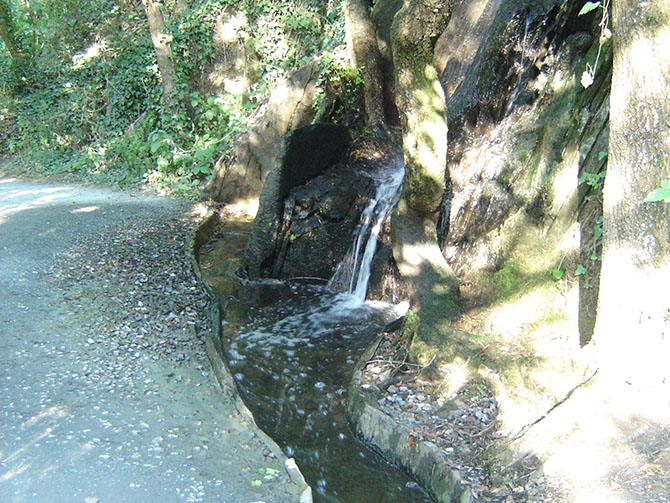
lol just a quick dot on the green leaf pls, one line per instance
(588, 7)
(209, 114)
(597, 232)
(271, 473)
(665, 184)
(601, 155)
(256, 483)
(660, 194)
(155, 146)
(162, 162)
(557, 274)
(580, 270)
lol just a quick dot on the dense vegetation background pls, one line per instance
(80, 93)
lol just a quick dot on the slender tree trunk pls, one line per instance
(365, 56)
(8, 36)
(428, 280)
(633, 325)
(161, 42)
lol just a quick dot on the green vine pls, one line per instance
(588, 75)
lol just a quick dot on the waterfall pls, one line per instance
(353, 273)
(521, 66)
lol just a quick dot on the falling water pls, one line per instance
(521, 65)
(353, 273)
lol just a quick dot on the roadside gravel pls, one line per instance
(107, 394)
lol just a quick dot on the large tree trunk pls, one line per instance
(161, 42)
(633, 325)
(420, 100)
(365, 56)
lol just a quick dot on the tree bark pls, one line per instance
(633, 326)
(420, 100)
(362, 42)
(161, 41)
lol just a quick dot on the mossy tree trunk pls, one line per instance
(8, 36)
(633, 324)
(362, 42)
(427, 278)
(420, 100)
(161, 42)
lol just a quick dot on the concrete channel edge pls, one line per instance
(215, 354)
(424, 460)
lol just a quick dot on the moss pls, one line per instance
(448, 345)
(423, 192)
(508, 279)
(421, 102)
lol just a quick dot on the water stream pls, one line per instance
(293, 361)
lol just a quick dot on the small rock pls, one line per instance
(91, 499)
(293, 470)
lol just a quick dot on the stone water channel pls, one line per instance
(292, 351)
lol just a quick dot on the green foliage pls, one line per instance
(267, 473)
(131, 85)
(286, 34)
(588, 7)
(598, 229)
(345, 88)
(594, 180)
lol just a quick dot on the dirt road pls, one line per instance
(106, 394)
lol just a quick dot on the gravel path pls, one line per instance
(106, 394)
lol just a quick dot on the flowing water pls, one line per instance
(293, 361)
